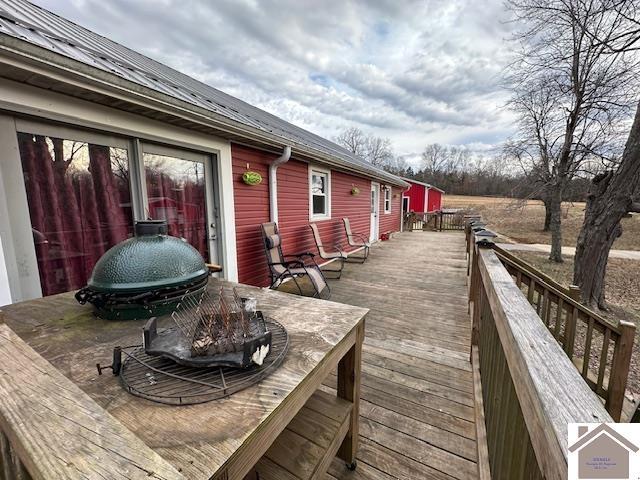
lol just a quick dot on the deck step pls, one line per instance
(305, 449)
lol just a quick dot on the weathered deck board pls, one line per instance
(417, 418)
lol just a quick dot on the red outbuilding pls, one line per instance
(421, 197)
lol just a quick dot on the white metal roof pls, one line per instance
(428, 185)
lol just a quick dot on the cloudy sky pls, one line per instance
(416, 72)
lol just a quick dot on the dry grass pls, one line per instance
(622, 285)
(522, 221)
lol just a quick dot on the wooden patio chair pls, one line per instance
(356, 240)
(337, 256)
(294, 267)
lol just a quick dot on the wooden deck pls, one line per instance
(417, 410)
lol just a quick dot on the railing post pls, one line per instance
(467, 238)
(620, 369)
(476, 290)
(473, 273)
(574, 292)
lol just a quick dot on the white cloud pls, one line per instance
(416, 72)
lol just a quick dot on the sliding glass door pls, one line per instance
(84, 191)
(178, 188)
(79, 199)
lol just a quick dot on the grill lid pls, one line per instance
(150, 260)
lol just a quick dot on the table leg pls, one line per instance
(349, 371)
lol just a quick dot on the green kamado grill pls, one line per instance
(144, 276)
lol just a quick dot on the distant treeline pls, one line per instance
(488, 182)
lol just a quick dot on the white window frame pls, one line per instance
(387, 191)
(322, 171)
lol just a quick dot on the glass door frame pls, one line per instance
(374, 200)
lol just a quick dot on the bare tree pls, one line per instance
(444, 160)
(378, 151)
(615, 192)
(570, 95)
(354, 140)
(398, 165)
(375, 150)
(434, 158)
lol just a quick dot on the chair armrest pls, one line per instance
(362, 237)
(290, 263)
(300, 255)
(340, 248)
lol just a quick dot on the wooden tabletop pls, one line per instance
(197, 439)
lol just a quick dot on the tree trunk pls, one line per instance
(599, 230)
(555, 222)
(547, 214)
(610, 198)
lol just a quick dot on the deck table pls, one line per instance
(284, 425)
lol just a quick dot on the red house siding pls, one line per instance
(416, 194)
(293, 208)
(434, 200)
(252, 209)
(390, 222)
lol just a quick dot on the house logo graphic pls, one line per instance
(604, 451)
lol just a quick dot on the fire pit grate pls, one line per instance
(165, 381)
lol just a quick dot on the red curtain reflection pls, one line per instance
(176, 191)
(79, 207)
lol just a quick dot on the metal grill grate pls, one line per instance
(164, 381)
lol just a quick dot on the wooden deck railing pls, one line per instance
(451, 220)
(440, 220)
(530, 391)
(600, 349)
(419, 221)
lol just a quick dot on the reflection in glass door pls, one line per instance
(178, 190)
(79, 205)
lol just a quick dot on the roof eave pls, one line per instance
(40, 61)
(428, 185)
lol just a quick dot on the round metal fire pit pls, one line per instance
(165, 381)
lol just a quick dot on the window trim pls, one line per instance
(387, 190)
(323, 171)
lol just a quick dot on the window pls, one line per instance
(319, 194)
(176, 192)
(387, 200)
(79, 202)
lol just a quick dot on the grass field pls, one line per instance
(522, 221)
